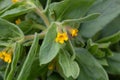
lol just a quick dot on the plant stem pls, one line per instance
(39, 26)
(43, 16)
(41, 36)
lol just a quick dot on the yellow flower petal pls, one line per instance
(74, 32)
(65, 37)
(61, 37)
(18, 21)
(61, 41)
(5, 56)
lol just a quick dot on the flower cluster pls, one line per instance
(5, 56)
(62, 37)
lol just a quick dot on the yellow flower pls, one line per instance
(18, 21)
(14, 1)
(50, 66)
(61, 37)
(74, 32)
(5, 56)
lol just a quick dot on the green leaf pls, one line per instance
(72, 22)
(22, 8)
(98, 50)
(86, 18)
(99, 45)
(69, 67)
(69, 9)
(114, 64)
(109, 10)
(7, 71)
(49, 48)
(90, 68)
(29, 60)
(16, 55)
(4, 4)
(9, 31)
(111, 28)
(37, 70)
(113, 38)
(103, 62)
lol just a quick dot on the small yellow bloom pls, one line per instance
(14, 1)
(5, 56)
(18, 21)
(61, 37)
(50, 66)
(74, 32)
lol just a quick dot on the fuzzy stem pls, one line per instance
(41, 36)
(43, 16)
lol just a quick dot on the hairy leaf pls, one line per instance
(109, 10)
(16, 55)
(9, 31)
(49, 48)
(17, 9)
(70, 67)
(114, 64)
(113, 38)
(67, 9)
(29, 60)
(90, 68)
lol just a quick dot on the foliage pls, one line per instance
(60, 39)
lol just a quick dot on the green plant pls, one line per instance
(59, 40)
